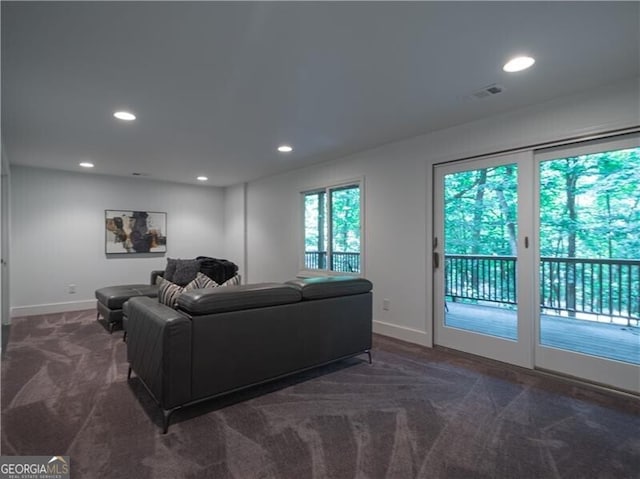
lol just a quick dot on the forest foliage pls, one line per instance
(344, 218)
(589, 208)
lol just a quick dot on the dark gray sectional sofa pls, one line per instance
(221, 340)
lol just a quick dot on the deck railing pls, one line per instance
(482, 278)
(607, 287)
(342, 262)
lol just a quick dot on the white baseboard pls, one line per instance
(403, 333)
(52, 308)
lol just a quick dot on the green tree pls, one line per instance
(481, 211)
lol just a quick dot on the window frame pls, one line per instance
(327, 189)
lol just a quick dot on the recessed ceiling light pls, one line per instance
(285, 149)
(518, 64)
(202, 178)
(87, 164)
(124, 115)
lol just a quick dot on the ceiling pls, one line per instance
(216, 86)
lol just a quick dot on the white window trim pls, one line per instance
(303, 271)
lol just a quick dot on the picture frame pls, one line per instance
(135, 232)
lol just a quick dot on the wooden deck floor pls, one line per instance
(611, 341)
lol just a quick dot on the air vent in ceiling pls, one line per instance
(487, 91)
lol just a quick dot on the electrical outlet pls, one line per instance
(71, 289)
(386, 304)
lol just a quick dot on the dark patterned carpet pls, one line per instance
(414, 413)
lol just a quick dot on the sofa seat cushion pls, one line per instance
(113, 297)
(233, 298)
(331, 286)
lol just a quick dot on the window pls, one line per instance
(333, 228)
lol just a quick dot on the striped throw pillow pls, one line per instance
(235, 281)
(201, 281)
(169, 292)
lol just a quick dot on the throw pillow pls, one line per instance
(201, 281)
(234, 281)
(169, 292)
(170, 270)
(186, 271)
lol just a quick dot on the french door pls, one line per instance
(481, 228)
(588, 262)
(537, 260)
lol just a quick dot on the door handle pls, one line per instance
(436, 260)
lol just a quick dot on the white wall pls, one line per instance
(234, 227)
(394, 230)
(58, 233)
(398, 191)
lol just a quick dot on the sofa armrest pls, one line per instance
(155, 274)
(159, 350)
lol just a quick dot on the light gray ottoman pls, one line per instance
(111, 299)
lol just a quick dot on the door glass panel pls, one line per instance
(480, 231)
(590, 254)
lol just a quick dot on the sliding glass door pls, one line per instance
(536, 260)
(478, 259)
(589, 262)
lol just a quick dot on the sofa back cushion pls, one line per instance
(233, 298)
(331, 286)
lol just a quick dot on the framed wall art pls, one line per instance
(136, 232)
